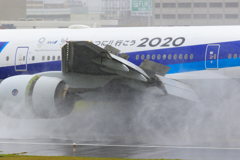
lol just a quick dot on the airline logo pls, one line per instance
(15, 92)
(3, 45)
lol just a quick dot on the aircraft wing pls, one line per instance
(87, 58)
(85, 67)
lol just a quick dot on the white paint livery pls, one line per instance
(175, 47)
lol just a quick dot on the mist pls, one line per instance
(132, 117)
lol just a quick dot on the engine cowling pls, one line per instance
(33, 96)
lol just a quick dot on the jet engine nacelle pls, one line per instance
(33, 96)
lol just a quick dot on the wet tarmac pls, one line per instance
(176, 131)
(58, 147)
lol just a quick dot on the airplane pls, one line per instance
(41, 69)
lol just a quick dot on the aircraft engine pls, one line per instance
(35, 97)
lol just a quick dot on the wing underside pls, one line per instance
(89, 59)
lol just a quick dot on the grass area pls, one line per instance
(15, 156)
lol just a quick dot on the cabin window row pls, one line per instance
(235, 56)
(53, 58)
(164, 57)
(43, 58)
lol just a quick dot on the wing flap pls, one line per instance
(156, 67)
(174, 91)
(124, 56)
(112, 50)
(130, 65)
(178, 89)
(174, 83)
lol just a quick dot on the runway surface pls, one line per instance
(173, 130)
(58, 147)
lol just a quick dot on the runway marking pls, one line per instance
(131, 146)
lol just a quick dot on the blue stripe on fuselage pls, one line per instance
(198, 61)
(3, 45)
(198, 52)
(177, 66)
(198, 66)
(31, 69)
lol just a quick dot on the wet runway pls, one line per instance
(57, 147)
(171, 131)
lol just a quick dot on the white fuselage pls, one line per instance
(184, 49)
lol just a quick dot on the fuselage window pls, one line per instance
(148, 56)
(33, 58)
(48, 58)
(7, 58)
(153, 57)
(175, 56)
(186, 56)
(142, 57)
(169, 56)
(60, 57)
(137, 57)
(191, 56)
(159, 56)
(53, 58)
(164, 56)
(235, 56)
(43, 58)
(23, 58)
(180, 56)
(229, 56)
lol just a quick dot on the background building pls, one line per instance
(51, 14)
(34, 4)
(60, 10)
(121, 10)
(12, 10)
(195, 12)
(121, 13)
(116, 9)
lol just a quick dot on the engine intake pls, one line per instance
(35, 97)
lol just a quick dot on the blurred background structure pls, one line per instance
(196, 12)
(117, 13)
(11, 10)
